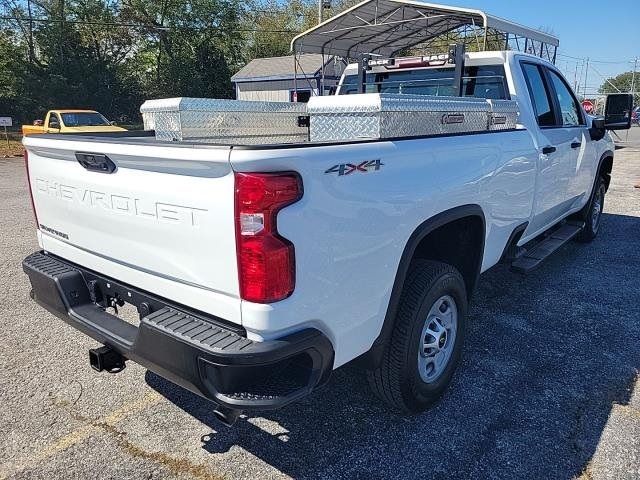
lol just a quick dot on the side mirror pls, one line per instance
(597, 130)
(617, 113)
(113, 122)
(54, 125)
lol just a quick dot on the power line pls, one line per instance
(276, 12)
(141, 26)
(604, 78)
(583, 59)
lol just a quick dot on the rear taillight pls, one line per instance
(266, 260)
(33, 205)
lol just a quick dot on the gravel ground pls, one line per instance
(548, 387)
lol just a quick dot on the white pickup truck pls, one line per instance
(257, 268)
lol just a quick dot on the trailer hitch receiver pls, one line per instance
(106, 358)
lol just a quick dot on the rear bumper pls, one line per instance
(200, 353)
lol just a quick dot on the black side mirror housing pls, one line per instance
(598, 129)
(618, 111)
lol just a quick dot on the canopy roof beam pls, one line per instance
(386, 27)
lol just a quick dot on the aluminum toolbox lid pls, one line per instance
(182, 104)
(393, 102)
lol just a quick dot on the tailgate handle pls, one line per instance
(96, 162)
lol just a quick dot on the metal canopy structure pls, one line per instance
(388, 27)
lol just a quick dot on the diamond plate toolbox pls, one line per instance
(224, 121)
(375, 116)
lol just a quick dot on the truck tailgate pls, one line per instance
(163, 221)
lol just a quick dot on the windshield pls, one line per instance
(482, 82)
(84, 119)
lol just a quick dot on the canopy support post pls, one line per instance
(486, 34)
(295, 76)
(321, 88)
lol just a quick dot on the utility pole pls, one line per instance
(633, 88)
(633, 79)
(580, 78)
(31, 44)
(586, 76)
(323, 5)
(61, 34)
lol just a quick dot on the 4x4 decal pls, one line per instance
(349, 168)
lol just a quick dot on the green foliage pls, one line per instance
(269, 17)
(111, 55)
(622, 84)
(279, 20)
(11, 71)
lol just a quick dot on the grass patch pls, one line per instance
(14, 148)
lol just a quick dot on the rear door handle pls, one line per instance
(547, 150)
(576, 145)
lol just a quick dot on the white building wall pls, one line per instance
(264, 95)
(273, 90)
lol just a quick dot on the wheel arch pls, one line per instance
(605, 166)
(438, 223)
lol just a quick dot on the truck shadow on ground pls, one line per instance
(546, 357)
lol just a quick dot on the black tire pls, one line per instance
(591, 219)
(397, 380)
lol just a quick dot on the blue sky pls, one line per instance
(604, 31)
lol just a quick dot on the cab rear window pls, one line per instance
(488, 81)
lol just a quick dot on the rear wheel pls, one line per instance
(427, 339)
(592, 214)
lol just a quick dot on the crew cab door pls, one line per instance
(572, 128)
(561, 140)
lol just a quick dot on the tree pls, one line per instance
(275, 23)
(622, 84)
(191, 48)
(111, 55)
(11, 74)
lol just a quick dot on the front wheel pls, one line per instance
(593, 212)
(426, 343)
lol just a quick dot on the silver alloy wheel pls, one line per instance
(437, 339)
(596, 209)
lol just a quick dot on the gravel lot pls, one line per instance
(548, 388)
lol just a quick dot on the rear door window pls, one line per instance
(539, 93)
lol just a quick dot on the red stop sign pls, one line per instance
(588, 106)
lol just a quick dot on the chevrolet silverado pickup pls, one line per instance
(260, 262)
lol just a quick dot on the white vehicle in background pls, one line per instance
(258, 265)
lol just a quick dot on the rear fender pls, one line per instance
(374, 355)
